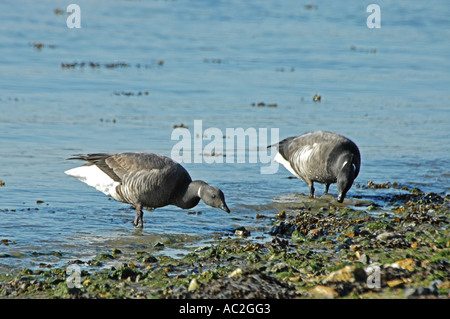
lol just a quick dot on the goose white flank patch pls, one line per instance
(145, 180)
(322, 157)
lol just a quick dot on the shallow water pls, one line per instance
(386, 89)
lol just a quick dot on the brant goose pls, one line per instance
(145, 180)
(322, 157)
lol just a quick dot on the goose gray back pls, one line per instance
(322, 157)
(145, 180)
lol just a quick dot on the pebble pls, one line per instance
(406, 263)
(241, 232)
(347, 274)
(193, 285)
(388, 235)
(280, 267)
(363, 258)
(324, 292)
(235, 273)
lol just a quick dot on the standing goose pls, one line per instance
(145, 180)
(322, 157)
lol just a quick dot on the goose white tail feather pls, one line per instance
(95, 177)
(280, 159)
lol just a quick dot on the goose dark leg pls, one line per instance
(138, 219)
(311, 190)
(327, 186)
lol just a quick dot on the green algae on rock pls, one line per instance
(399, 250)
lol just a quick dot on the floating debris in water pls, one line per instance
(7, 242)
(194, 213)
(282, 69)
(354, 48)
(387, 185)
(262, 104)
(39, 45)
(371, 184)
(116, 65)
(107, 120)
(213, 153)
(180, 126)
(110, 65)
(317, 98)
(217, 61)
(2, 183)
(311, 6)
(124, 93)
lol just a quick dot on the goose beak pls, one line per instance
(224, 207)
(340, 198)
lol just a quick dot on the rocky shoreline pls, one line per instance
(397, 249)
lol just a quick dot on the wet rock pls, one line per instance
(406, 263)
(326, 292)
(349, 274)
(419, 291)
(193, 285)
(236, 273)
(314, 233)
(63, 291)
(104, 257)
(362, 258)
(76, 262)
(125, 272)
(279, 243)
(298, 237)
(250, 285)
(284, 228)
(388, 235)
(146, 258)
(242, 232)
(396, 283)
(280, 267)
(116, 252)
(159, 245)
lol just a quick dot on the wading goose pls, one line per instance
(145, 180)
(322, 157)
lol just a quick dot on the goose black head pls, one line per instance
(213, 197)
(345, 179)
